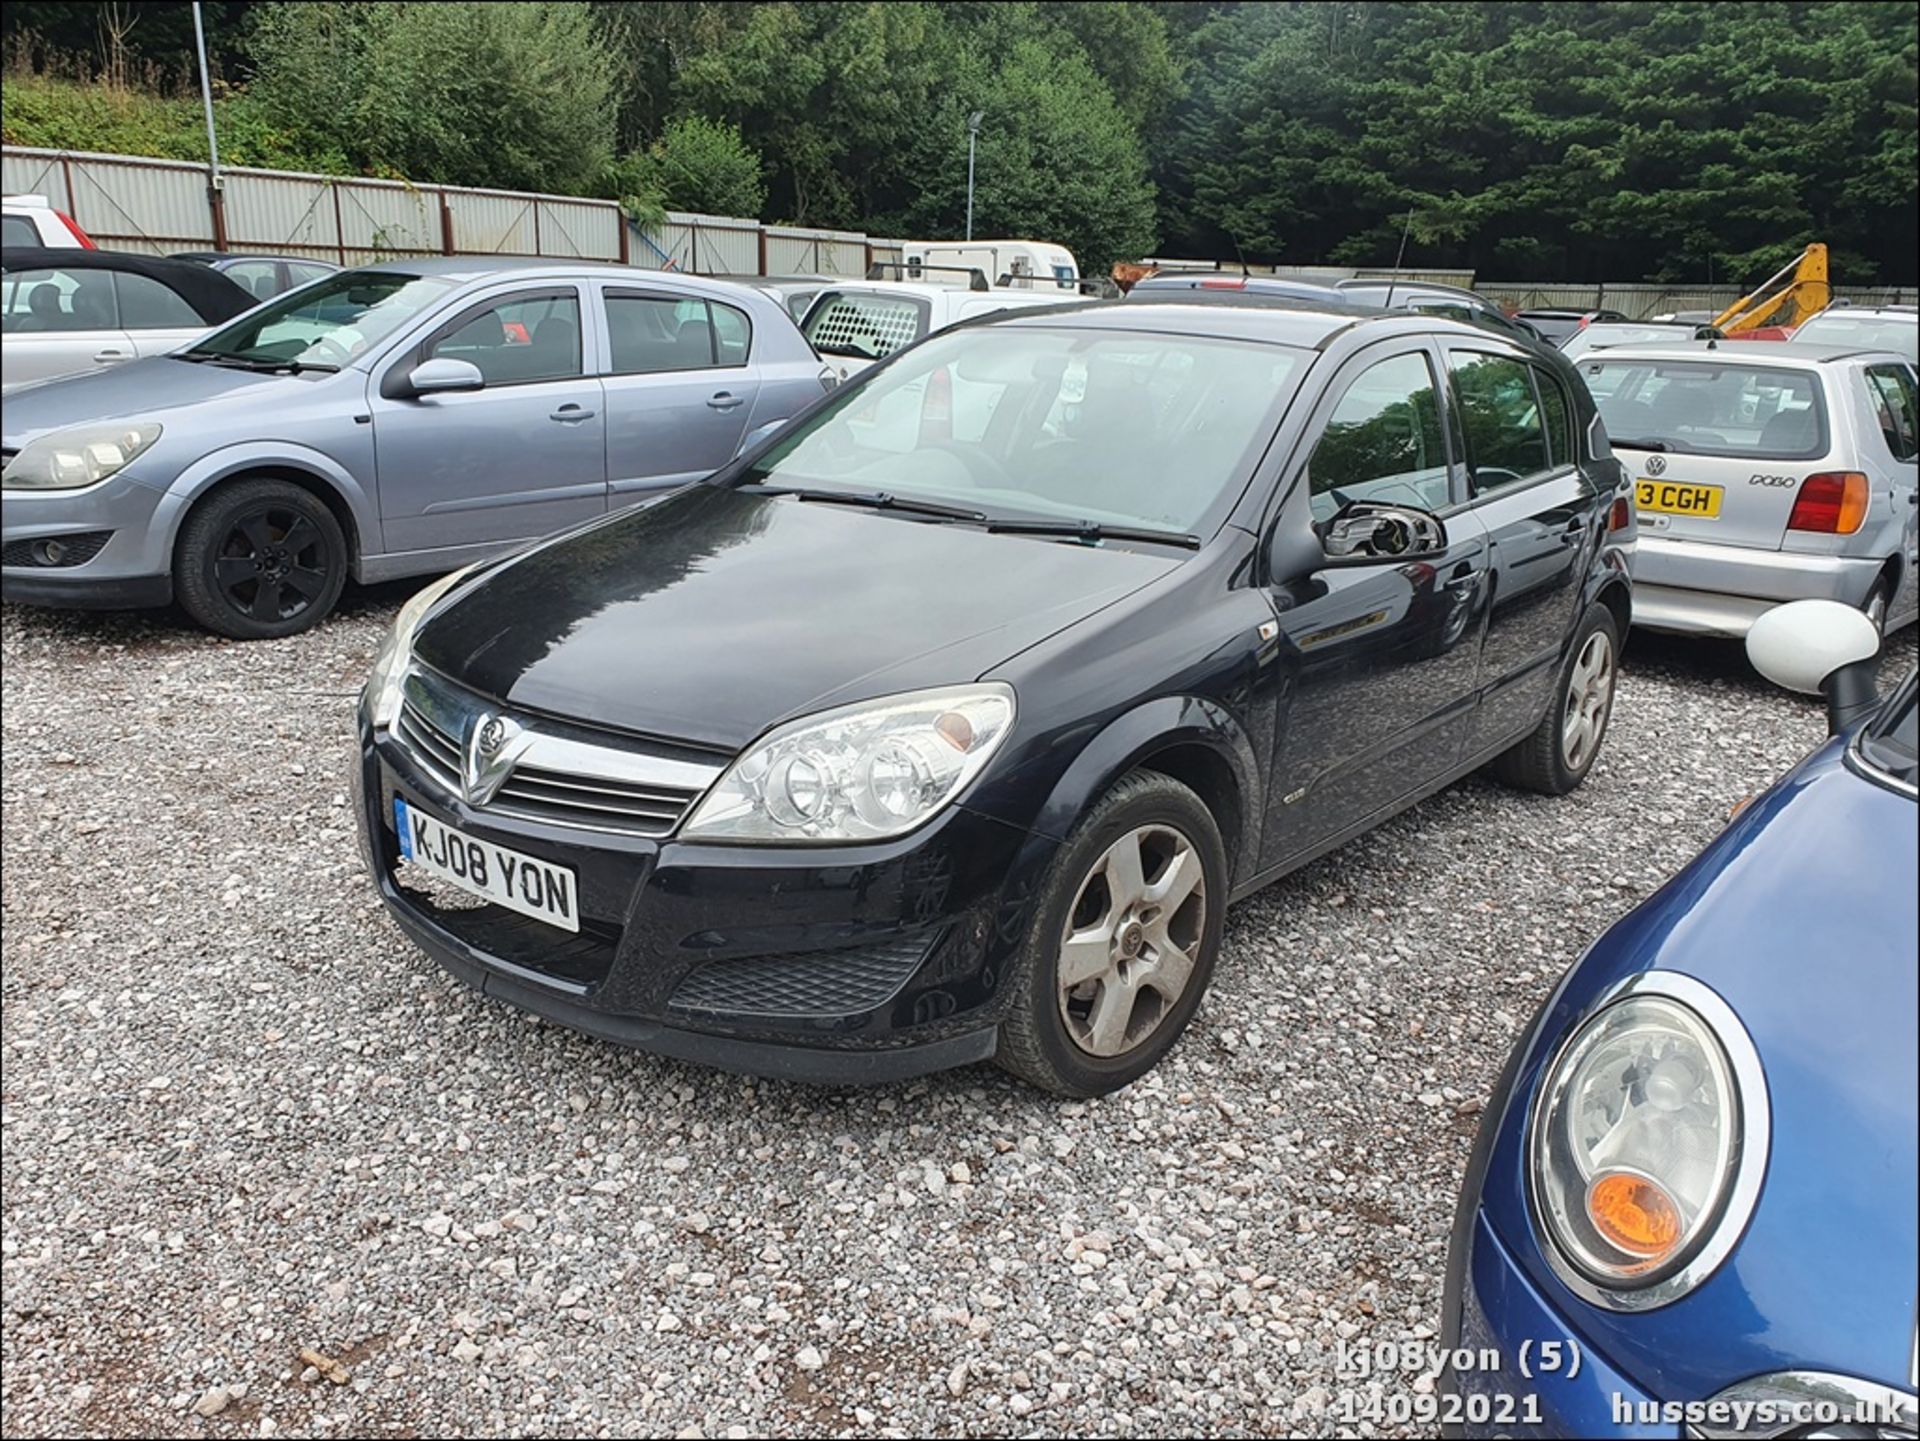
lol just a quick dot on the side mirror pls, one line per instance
(1367, 532)
(443, 374)
(1819, 647)
(758, 434)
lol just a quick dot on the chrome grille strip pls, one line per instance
(557, 779)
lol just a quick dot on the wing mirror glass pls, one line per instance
(443, 375)
(1819, 647)
(1367, 532)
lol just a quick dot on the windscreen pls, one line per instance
(328, 323)
(1869, 332)
(1891, 741)
(1709, 407)
(1115, 428)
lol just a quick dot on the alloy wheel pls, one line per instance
(1132, 940)
(1589, 696)
(273, 564)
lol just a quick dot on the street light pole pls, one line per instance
(214, 198)
(973, 135)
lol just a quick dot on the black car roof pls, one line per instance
(214, 298)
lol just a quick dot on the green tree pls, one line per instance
(700, 165)
(465, 93)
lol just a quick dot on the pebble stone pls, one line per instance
(245, 1118)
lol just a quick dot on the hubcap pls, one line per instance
(273, 564)
(1132, 940)
(1589, 699)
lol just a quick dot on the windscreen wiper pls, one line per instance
(872, 499)
(1642, 444)
(1092, 532)
(260, 363)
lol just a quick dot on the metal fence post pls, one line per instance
(446, 225)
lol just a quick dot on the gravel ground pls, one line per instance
(244, 1118)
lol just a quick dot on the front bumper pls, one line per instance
(132, 570)
(1517, 1368)
(838, 965)
(1699, 588)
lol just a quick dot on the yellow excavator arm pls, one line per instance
(1796, 293)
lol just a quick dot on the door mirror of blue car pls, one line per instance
(444, 374)
(758, 434)
(1819, 647)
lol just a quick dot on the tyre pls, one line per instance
(260, 559)
(1560, 752)
(1122, 943)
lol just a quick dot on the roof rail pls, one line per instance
(977, 281)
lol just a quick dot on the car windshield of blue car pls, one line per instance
(1106, 428)
(324, 325)
(1890, 743)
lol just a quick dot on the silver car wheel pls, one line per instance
(1132, 940)
(1589, 698)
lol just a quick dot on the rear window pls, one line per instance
(865, 325)
(1694, 407)
(18, 230)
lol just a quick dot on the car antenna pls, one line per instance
(1400, 258)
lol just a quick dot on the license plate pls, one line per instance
(519, 882)
(1675, 498)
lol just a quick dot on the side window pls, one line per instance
(732, 334)
(146, 304)
(521, 339)
(18, 230)
(1890, 388)
(1559, 417)
(1506, 441)
(650, 334)
(60, 300)
(1382, 442)
(299, 274)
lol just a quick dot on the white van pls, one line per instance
(1021, 264)
(857, 322)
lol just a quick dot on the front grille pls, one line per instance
(812, 983)
(596, 785)
(75, 549)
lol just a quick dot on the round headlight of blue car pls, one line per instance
(1647, 1143)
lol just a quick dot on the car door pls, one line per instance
(1378, 656)
(1542, 517)
(680, 383)
(524, 455)
(1889, 446)
(157, 319)
(60, 322)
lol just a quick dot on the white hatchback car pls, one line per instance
(32, 220)
(856, 323)
(1763, 473)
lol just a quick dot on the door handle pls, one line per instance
(724, 401)
(1574, 531)
(570, 415)
(108, 357)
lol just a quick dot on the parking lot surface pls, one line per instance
(243, 1118)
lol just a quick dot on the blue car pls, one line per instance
(1691, 1207)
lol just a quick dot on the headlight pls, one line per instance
(862, 772)
(85, 455)
(1648, 1139)
(381, 698)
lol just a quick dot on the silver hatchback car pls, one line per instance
(396, 420)
(1763, 473)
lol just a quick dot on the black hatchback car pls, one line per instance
(944, 724)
